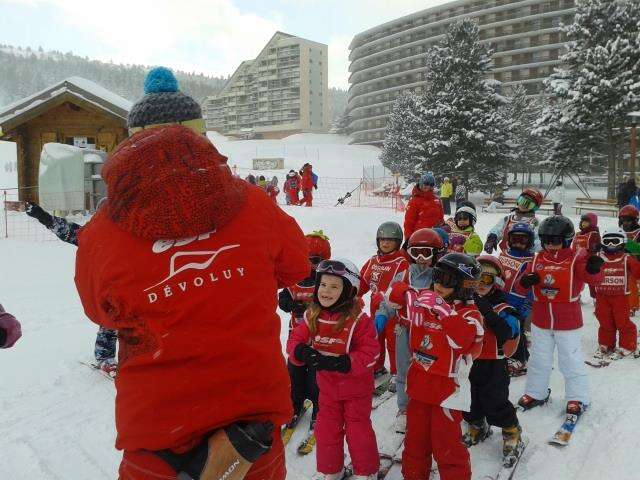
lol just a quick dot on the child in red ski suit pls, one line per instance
(380, 272)
(612, 303)
(445, 335)
(306, 185)
(588, 237)
(628, 220)
(339, 341)
(292, 188)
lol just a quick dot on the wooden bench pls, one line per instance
(596, 205)
(510, 203)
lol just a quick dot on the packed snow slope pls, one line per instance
(57, 415)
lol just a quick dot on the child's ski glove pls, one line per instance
(529, 280)
(594, 263)
(491, 244)
(36, 211)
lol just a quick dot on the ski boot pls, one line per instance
(620, 353)
(477, 432)
(392, 384)
(108, 366)
(512, 445)
(516, 368)
(602, 353)
(401, 422)
(574, 407)
(527, 402)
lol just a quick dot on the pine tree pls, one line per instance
(400, 149)
(464, 121)
(342, 124)
(598, 85)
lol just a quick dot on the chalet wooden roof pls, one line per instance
(77, 89)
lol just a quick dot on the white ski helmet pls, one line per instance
(616, 236)
(342, 268)
(469, 211)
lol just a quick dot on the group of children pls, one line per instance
(304, 181)
(453, 323)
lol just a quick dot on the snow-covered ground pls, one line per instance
(57, 415)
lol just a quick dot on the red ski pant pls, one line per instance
(352, 417)
(634, 302)
(144, 465)
(434, 430)
(612, 312)
(292, 196)
(387, 340)
(307, 198)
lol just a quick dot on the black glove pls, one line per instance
(340, 364)
(298, 308)
(36, 211)
(529, 280)
(304, 353)
(315, 187)
(405, 245)
(491, 244)
(594, 263)
(3, 337)
(483, 303)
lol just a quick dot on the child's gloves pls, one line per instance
(381, 322)
(491, 244)
(304, 353)
(341, 363)
(36, 211)
(529, 280)
(594, 263)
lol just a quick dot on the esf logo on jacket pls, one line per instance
(184, 261)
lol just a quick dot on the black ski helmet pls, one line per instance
(556, 226)
(390, 230)
(459, 271)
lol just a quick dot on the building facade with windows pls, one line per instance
(390, 59)
(284, 90)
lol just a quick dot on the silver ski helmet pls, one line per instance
(389, 230)
(613, 239)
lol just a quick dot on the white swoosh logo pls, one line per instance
(194, 265)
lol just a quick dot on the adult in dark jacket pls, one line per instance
(626, 192)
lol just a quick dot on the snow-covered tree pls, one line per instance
(464, 123)
(597, 86)
(342, 124)
(400, 150)
(529, 149)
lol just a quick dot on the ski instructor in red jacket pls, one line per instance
(185, 261)
(424, 209)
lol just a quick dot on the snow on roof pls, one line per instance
(80, 87)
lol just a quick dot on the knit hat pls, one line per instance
(163, 103)
(170, 182)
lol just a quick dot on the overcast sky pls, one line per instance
(207, 36)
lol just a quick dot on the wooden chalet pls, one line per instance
(75, 111)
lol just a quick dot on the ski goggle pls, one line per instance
(526, 203)
(334, 267)
(613, 241)
(519, 238)
(552, 239)
(444, 278)
(487, 278)
(423, 253)
(627, 219)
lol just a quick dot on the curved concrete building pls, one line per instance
(390, 59)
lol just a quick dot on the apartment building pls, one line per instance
(284, 90)
(390, 59)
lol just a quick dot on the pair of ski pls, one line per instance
(390, 457)
(508, 468)
(563, 435)
(306, 446)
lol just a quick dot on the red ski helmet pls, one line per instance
(534, 194)
(628, 211)
(425, 238)
(493, 262)
(319, 245)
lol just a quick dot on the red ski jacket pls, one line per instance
(358, 340)
(587, 239)
(424, 210)
(379, 273)
(196, 317)
(618, 271)
(556, 304)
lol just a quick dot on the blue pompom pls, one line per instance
(160, 79)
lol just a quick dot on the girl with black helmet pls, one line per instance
(556, 276)
(338, 340)
(387, 266)
(425, 247)
(445, 335)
